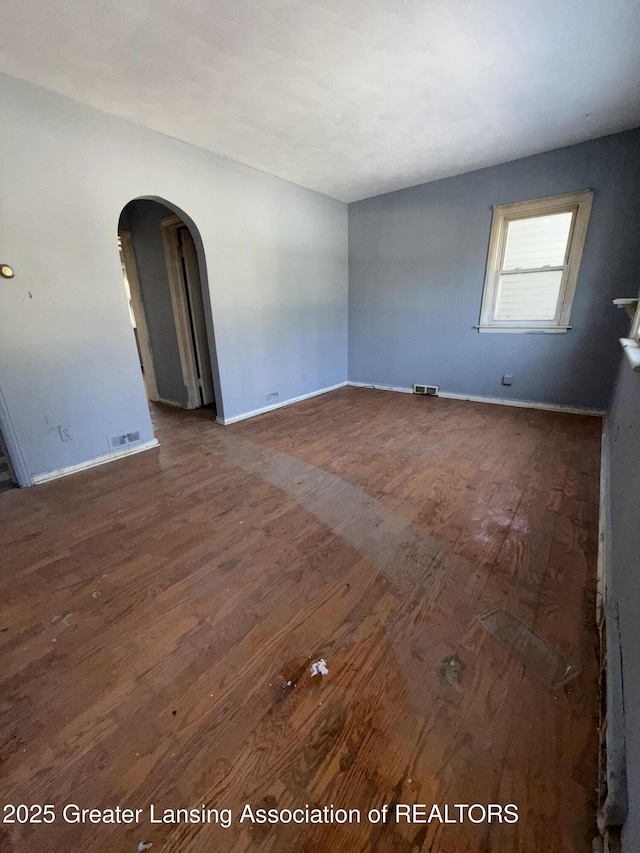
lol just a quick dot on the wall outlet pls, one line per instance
(65, 433)
(507, 379)
(272, 397)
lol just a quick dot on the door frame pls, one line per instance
(197, 316)
(173, 259)
(12, 445)
(137, 304)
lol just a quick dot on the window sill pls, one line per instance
(632, 351)
(545, 330)
(629, 305)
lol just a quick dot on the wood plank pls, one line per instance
(160, 615)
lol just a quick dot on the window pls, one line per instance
(532, 267)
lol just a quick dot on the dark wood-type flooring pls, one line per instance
(160, 615)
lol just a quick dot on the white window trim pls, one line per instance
(503, 214)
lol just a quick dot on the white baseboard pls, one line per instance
(497, 401)
(526, 404)
(380, 387)
(37, 479)
(265, 409)
(168, 402)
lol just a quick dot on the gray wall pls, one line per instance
(275, 256)
(417, 264)
(142, 218)
(622, 437)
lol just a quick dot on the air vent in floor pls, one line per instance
(117, 441)
(427, 390)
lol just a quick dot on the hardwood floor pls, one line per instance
(161, 614)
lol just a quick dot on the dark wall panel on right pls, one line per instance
(622, 436)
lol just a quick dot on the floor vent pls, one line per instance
(427, 390)
(117, 441)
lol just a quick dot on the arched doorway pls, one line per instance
(162, 262)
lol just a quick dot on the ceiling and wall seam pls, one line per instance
(351, 100)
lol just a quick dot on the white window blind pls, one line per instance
(529, 295)
(533, 263)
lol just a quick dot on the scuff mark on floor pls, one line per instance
(542, 659)
(452, 671)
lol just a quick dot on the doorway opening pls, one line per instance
(165, 281)
(7, 477)
(188, 308)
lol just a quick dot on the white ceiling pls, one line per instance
(349, 97)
